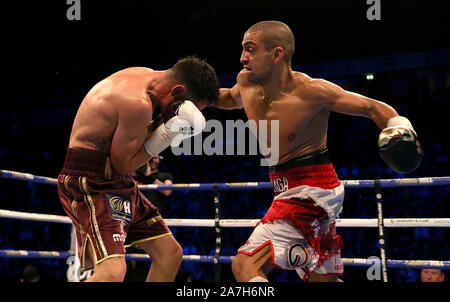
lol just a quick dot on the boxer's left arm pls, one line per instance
(133, 128)
(397, 142)
(334, 98)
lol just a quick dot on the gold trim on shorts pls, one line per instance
(94, 261)
(84, 254)
(109, 257)
(154, 220)
(147, 239)
(65, 181)
(93, 218)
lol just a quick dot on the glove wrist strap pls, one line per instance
(399, 121)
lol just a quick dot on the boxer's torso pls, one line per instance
(98, 115)
(302, 124)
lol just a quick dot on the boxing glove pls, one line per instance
(187, 121)
(399, 147)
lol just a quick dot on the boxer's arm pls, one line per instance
(334, 98)
(229, 98)
(127, 148)
(397, 142)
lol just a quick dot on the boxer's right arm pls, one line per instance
(188, 121)
(127, 150)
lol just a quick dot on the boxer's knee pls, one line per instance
(110, 270)
(175, 254)
(241, 267)
(165, 251)
(246, 267)
(116, 272)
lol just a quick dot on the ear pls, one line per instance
(178, 90)
(278, 54)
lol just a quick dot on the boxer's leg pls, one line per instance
(109, 270)
(150, 233)
(315, 277)
(247, 267)
(166, 254)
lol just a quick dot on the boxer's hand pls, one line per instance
(187, 121)
(399, 146)
(155, 123)
(171, 110)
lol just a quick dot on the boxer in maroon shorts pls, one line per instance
(115, 132)
(108, 215)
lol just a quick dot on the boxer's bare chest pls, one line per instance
(301, 125)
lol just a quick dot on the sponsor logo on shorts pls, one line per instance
(315, 225)
(298, 254)
(119, 207)
(119, 237)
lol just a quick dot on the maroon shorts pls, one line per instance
(110, 215)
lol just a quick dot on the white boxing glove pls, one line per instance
(188, 121)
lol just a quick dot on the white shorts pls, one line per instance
(290, 250)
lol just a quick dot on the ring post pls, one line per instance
(217, 266)
(381, 238)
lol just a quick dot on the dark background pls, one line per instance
(50, 63)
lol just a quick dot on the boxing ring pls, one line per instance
(218, 223)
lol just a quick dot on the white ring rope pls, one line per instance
(355, 262)
(230, 223)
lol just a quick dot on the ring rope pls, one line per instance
(384, 183)
(232, 223)
(352, 262)
(387, 222)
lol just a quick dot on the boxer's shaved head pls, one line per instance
(275, 34)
